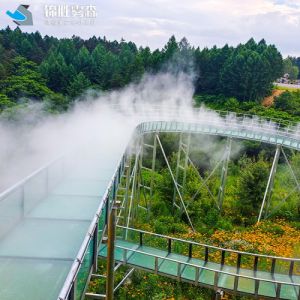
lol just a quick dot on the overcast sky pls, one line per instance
(202, 22)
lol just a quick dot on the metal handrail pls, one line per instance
(72, 275)
(209, 246)
(253, 129)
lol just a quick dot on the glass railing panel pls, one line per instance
(35, 190)
(84, 270)
(11, 209)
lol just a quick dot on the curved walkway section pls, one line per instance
(213, 267)
(52, 222)
(257, 131)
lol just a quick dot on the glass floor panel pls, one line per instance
(24, 279)
(81, 187)
(147, 261)
(66, 207)
(44, 238)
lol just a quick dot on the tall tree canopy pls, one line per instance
(36, 67)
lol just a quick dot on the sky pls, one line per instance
(151, 22)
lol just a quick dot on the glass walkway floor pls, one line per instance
(43, 224)
(209, 274)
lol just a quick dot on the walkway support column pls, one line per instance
(111, 254)
(270, 182)
(222, 187)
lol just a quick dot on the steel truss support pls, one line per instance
(297, 188)
(133, 193)
(125, 197)
(175, 183)
(204, 182)
(270, 183)
(142, 188)
(221, 192)
(181, 166)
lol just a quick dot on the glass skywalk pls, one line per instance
(44, 221)
(52, 222)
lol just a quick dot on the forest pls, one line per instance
(57, 71)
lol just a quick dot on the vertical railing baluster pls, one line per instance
(141, 239)
(190, 250)
(255, 264)
(169, 246)
(197, 275)
(156, 265)
(216, 279)
(291, 270)
(178, 271)
(255, 272)
(278, 290)
(256, 287)
(273, 266)
(238, 266)
(223, 253)
(206, 254)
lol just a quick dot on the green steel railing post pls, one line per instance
(190, 250)
(291, 270)
(206, 254)
(223, 253)
(169, 246)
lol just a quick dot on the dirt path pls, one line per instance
(268, 101)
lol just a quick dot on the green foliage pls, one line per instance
(245, 72)
(251, 186)
(269, 227)
(25, 81)
(56, 103)
(168, 225)
(290, 68)
(57, 65)
(289, 102)
(78, 85)
(5, 102)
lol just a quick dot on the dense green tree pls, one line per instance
(57, 73)
(245, 72)
(26, 81)
(289, 102)
(79, 84)
(5, 102)
(290, 68)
